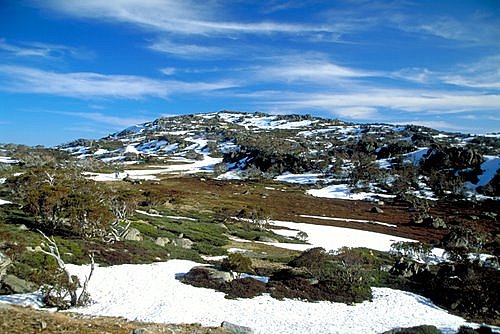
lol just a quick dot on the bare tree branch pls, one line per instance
(53, 251)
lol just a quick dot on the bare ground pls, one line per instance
(23, 320)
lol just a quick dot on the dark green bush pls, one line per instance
(238, 263)
(344, 277)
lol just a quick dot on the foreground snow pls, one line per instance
(151, 293)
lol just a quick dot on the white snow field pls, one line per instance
(152, 293)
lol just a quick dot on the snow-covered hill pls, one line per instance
(302, 149)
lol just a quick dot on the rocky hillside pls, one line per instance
(380, 158)
(440, 189)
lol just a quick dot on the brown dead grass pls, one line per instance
(288, 202)
(23, 320)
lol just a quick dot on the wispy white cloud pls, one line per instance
(117, 121)
(96, 85)
(43, 50)
(186, 50)
(484, 73)
(418, 75)
(420, 101)
(168, 70)
(308, 69)
(470, 30)
(181, 17)
(442, 125)
(358, 113)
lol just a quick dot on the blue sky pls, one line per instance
(83, 69)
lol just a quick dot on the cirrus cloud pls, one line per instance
(95, 85)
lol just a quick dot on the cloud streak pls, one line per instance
(117, 121)
(42, 50)
(294, 68)
(413, 101)
(186, 50)
(180, 17)
(95, 85)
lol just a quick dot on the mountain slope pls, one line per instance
(369, 157)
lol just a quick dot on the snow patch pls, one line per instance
(2, 202)
(334, 238)
(306, 178)
(416, 156)
(230, 175)
(151, 293)
(342, 191)
(7, 160)
(350, 220)
(489, 168)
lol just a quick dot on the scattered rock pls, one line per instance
(236, 329)
(153, 212)
(142, 331)
(376, 209)
(5, 262)
(133, 234)
(162, 241)
(263, 238)
(210, 272)
(42, 324)
(423, 329)
(428, 220)
(13, 284)
(183, 243)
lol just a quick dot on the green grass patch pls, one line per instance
(200, 232)
(207, 248)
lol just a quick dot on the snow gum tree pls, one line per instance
(63, 202)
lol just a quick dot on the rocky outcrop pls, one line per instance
(423, 329)
(208, 273)
(5, 262)
(162, 241)
(133, 234)
(12, 284)
(395, 148)
(183, 243)
(428, 221)
(236, 329)
(441, 157)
